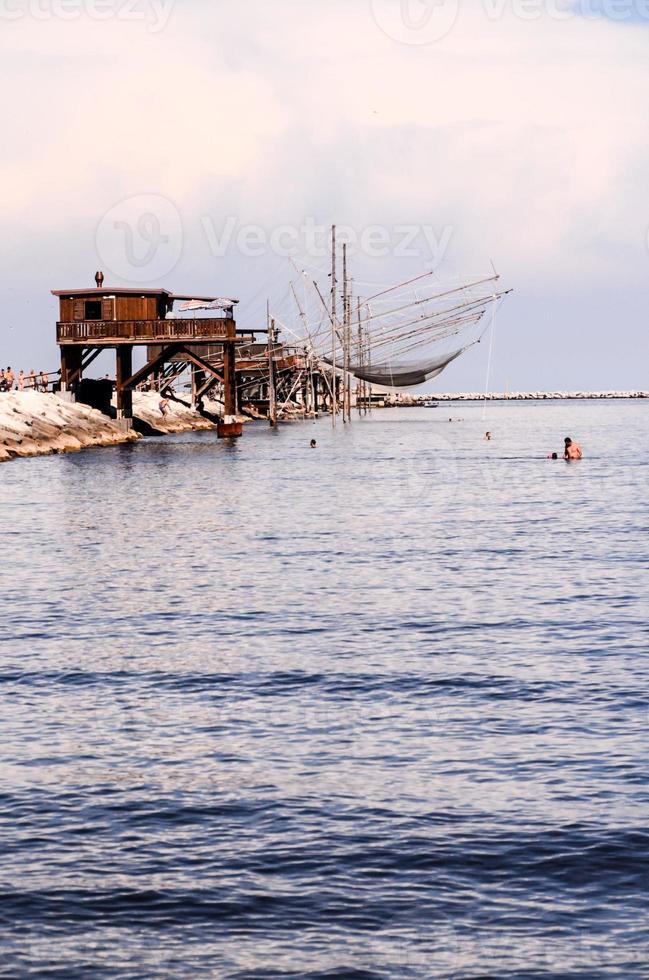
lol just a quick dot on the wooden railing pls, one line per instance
(107, 332)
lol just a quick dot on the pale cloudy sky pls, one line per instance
(512, 131)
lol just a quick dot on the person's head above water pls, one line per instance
(313, 444)
(568, 441)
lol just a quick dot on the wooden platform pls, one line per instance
(108, 333)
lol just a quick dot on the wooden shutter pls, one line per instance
(79, 310)
(107, 309)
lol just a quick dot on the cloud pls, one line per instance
(119, 110)
(522, 136)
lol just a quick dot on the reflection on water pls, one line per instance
(373, 710)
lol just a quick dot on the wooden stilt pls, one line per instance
(198, 381)
(229, 381)
(124, 362)
(272, 381)
(315, 381)
(71, 367)
(334, 386)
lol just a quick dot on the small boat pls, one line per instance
(430, 404)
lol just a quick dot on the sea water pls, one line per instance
(376, 709)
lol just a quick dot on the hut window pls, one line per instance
(93, 310)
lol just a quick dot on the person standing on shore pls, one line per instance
(45, 381)
(572, 450)
(32, 380)
(21, 380)
(9, 379)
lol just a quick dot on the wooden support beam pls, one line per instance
(71, 367)
(207, 387)
(170, 372)
(229, 380)
(151, 366)
(204, 367)
(316, 393)
(201, 363)
(89, 357)
(198, 382)
(123, 375)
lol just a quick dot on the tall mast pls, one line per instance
(360, 385)
(368, 387)
(345, 337)
(334, 393)
(272, 394)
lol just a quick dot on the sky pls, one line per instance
(205, 146)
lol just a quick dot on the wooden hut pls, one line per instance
(104, 317)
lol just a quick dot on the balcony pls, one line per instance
(108, 333)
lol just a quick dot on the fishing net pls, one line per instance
(400, 374)
(403, 335)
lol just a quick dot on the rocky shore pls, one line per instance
(36, 424)
(472, 396)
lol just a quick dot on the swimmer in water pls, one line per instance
(553, 456)
(572, 450)
(313, 444)
(487, 436)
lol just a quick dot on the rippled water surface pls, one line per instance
(373, 710)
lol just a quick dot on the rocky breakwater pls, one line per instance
(179, 418)
(36, 424)
(474, 396)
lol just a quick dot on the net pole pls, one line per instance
(344, 337)
(489, 360)
(334, 396)
(360, 386)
